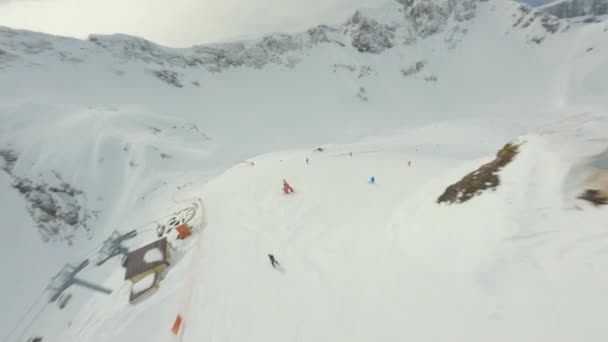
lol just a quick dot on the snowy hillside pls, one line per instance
(368, 262)
(115, 133)
(576, 8)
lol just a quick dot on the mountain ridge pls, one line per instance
(374, 31)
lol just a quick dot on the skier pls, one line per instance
(307, 161)
(351, 154)
(372, 180)
(409, 163)
(273, 261)
(287, 189)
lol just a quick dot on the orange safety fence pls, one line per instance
(177, 325)
(184, 308)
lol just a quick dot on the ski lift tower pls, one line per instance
(113, 246)
(67, 277)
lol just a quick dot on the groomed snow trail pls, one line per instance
(371, 262)
(362, 263)
(330, 237)
(365, 262)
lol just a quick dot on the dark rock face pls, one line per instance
(484, 178)
(8, 159)
(550, 24)
(370, 36)
(169, 77)
(413, 69)
(58, 210)
(218, 57)
(319, 34)
(527, 16)
(594, 196)
(429, 17)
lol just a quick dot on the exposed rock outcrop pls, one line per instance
(59, 210)
(484, 178)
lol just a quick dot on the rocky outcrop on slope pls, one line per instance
(8, 159)
(58, 210)
(528, 16)
(169, 77)
(429, 17)
(484, 178)
(370, 36)
(597, 197)
(279, 49)
(413, 69)
(361, 71)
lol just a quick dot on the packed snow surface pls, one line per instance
(363, 262)
(144, 284)
(153, 255)
(116, 133)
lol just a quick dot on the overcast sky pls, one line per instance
(178, 23)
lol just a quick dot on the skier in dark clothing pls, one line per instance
(307, 161)
(273, 261)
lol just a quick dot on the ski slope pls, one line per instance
(364, 262)
(361, 262)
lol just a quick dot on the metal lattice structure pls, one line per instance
(67, 277)
(113, 246)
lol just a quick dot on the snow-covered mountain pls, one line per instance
(576, 8)
(368, 31)
(115, 132)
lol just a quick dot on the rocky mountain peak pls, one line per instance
(368, 31)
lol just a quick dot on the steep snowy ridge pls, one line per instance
(368, 31)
